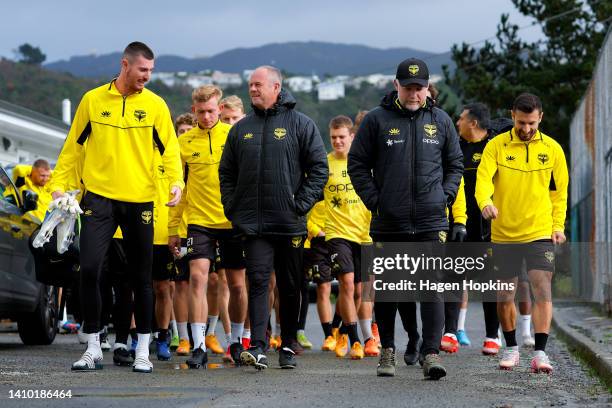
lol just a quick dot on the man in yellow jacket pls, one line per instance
(521, 186)
(117, 131)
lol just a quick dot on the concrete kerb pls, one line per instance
(595, 356)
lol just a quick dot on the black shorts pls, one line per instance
(163, 263)
(202, 243)
(316, 265)
(182, 265)
(508, 258)
(344, 257)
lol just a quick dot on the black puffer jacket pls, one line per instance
(272, 171)
(406, 167)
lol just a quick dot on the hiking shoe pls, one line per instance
(122, 357)
(254, 356)
(142, 364)
(198, 358)
(510, 358)
(490, 347)
(463, 338)
(91, 360)
(104, 343)
(286, 358)
(371, 348)
(528, 341)
(329, 344)
(376, 335)
(540, 363)
(356, 351)
(212, 343)
(163, 351)
(184, 347)
(432, 367)
(174, 343)
(246, 343)
(386, 364)
(449, 343)
(342, 345)
(303, 340)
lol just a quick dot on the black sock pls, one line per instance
(162, 335)
(510, 337)
(327, 329)
(133, 334)
(540, 341)
(344, 329)
(351, 329)
(337, 321)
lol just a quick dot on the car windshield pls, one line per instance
(7, 189)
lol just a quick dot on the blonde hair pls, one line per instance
(205, 93)
(232, 102)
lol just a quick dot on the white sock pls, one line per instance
(142, 348)
(228, 339)
(182, 330)
(277, 330)
(366, 329)
(302, 332)
(197, 332)
(119, 345)
(93, 342)
(212, 323)
(525, 325)
(461, 322)
(246, 334)
(174, 328)
(238, 332)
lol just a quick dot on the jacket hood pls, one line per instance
(390, 102)
(285, 102)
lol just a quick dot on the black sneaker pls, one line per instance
(411, 355)
(254, 356)
(198, 359)
(286, 358)
(122, 357)
(433, 368)
(235, 349)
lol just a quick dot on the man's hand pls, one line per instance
(321, 233)
(57, 194)
(489, 212)
(174, 245)
(558, 238)
(458, 233)
(65, 202)
(176, 193)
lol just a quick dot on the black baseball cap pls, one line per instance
(412, 71)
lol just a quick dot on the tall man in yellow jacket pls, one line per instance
(521, 186)
(117, 131)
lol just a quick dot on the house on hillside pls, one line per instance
(226, 79)
(330, 91)
(299, 83)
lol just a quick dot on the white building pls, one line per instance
(197, 80)
(299, 83)
(330, 91)
(226, 79)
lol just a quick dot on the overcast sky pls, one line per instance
(191, 28)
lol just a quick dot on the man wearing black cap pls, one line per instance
(406, 165)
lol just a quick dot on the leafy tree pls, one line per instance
(557, 68)
(28, 54)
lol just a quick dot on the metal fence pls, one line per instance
(591, 184)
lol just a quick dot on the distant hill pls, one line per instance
(296, 57)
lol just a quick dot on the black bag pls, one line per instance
(53, 268)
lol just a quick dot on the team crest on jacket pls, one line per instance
(430, 130)
(146, 217)
(394, 132)
(140, 115)
(413, 69)
(247, 136)
(296, 242)
(543, 158)
(476, 157)
(280, 133)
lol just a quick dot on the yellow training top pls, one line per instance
(527, 182)
(315, 222)
(121, 133)
(459, 207)
(346, 216)
(201, 151)
(23, 181)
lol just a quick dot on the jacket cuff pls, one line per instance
(461, 219)
(173, 230)
(484, 203)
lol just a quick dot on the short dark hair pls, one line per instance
(527, 103)
(480, 113)
(41, 164)
(137, 48)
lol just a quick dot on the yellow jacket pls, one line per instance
(121, 134)
(201, 151)
(459, 207)
(23, 181)
(527, 183)
(315, 222)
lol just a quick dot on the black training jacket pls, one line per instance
(406, 167)
(272, 171)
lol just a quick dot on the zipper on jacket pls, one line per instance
(123, 109)
(261, 165)
(210, 143)
(413, 178)
(527, 148)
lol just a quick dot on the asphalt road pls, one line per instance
(321, 380)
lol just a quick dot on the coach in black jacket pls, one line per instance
(406, 164)
(272, 171)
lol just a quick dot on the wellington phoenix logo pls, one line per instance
(430, 130)
(280, 133)
(413, 69)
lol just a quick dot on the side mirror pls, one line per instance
(30, 200)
